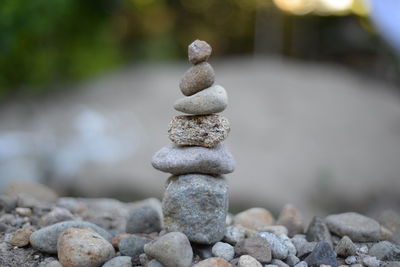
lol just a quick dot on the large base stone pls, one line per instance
(196, 205)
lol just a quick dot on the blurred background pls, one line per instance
(87, 87)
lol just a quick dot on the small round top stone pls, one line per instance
(199, 51)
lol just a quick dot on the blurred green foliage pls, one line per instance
(46, 43)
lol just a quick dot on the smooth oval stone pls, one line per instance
(196, 205)
(205, 130)
(197, 78)
(133, 245)
(172, 250)
(83, 247)
(211, 100)
(356, 226)
(194, 159)
(199, 51)
(45, 239)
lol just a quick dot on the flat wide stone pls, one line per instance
(178, 160)
(196, 205)
(211, 100)
(206, 130)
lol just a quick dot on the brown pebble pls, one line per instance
(21, 236)
(254, 218)
(199, 51)
(197, 78)
(213, 262)
(291, 218)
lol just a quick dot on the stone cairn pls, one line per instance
(196, 197)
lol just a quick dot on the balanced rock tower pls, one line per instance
(196, 196)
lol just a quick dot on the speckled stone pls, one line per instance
(256, 247)
(278, 248)
(172, 250)
(120, 261)
(196, 205)
(21, 236)
(133, 245)
(318, 231)
(178, 160)
(345, 247)
(223, 250)
(206, 130)
(143, 220)
(199, 51)
(197, 78)
(208, 101)
(83, 247)
(248, 261)
(322, 254)
(356, 226)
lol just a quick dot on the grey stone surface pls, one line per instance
(120, 261)
(351, 260)
(356, 226)
(288, 243)
(303, 247)
(345, 247)
(234, 234)
(301, 264)
(196, 205)
(275, 229)
(172, 250)
(155, 263)
(208, 101)
(194, 159)
(45, 239)
(143, 220)
(318, 231)
(248, 261)
(385, 251)
(213, 262)
(133, 245)
(278, 248)
(292, 219)
(83, 247)
(205, 130)
(322, 254)
(256, 247)
(223, 250)
(371, 261)
(292, 260)
(57, 214)
(279, 263)
(199, 51)
(197, 78)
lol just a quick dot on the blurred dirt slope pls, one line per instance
(314, 135)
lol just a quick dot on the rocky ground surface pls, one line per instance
(38, 228)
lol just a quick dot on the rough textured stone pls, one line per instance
(248, 261)
(279, 263)
(288, 243)
(172, 250)
(370, 261)
(292, 260)
(53, 264)
(154, 263)
(322, 254)
(208, 101)
(133, 245)
(21, 236)
(120, 261)
(274, 229)
(143, 220)
(83, 247)
(256, 247)
(303, 247)
(213, 262)
(345, 247)
(199, 51)
(205, 130)
(56, 215)
(356, 226)
(385, 251)
(45, 239)
(197, 78)
(350, 260)
(278, 248)
(223, 250)
(254, 218)
(301, 264)
(194, 159)
(234, 234)
(196, 205)
(318, 231)
(291, 218)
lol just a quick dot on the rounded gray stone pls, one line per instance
(292, 260)
(199, 51)
(202, 130)
(278, 248)
(345, 247)
(178, 160)
(256, 247)
(172, 250)
(385, 251)
(356, 226)
(318, 231)
(223, 250)
(208, 101)
(120, 261)
(143, 220)
(45, 239)
(133, 245)
(234, 234)
(196, 205)
(197, 78)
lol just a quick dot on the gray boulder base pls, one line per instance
(211, 100)
(178, 160)
(45, 239)
(196, 205)
(356, 226)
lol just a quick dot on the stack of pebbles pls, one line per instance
(196, 197)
